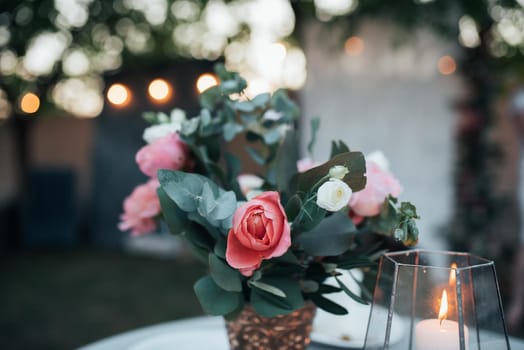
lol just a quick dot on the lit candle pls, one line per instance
(439, 334)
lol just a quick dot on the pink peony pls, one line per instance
(168, 152)
(140, 209)
(260, 231)
(380, 184)
(249, 182)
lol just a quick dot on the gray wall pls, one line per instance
(389, 99)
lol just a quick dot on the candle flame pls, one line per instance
(443, 313)
(453, 274)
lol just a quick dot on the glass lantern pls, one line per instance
(428, 300)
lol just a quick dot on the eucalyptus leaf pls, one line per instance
(272, 136)
(256, 156)
(224, 276)
(215, 300)
(231, 129)
(220, 248)
(333, 236)
(173, 216)
(261, 100)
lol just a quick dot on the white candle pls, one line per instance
(431, 334)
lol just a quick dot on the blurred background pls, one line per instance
(437, 85)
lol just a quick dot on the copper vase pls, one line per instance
(250, 331)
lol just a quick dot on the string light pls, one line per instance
(205, 81)
(354, 46)
(160, 90)
(447, 65)
(118, 95)
(30, 103)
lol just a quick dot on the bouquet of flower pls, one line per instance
(270, 239)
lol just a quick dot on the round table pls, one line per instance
(200, 333)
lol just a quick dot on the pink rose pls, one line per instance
(260, 231)
(168, 152)
(380, 183)
(305, 164)
(140, 209)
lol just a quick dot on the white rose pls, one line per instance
(379, 159)
(338, 172)
(333, 195)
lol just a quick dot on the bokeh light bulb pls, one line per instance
(205, 81)
(30, 103)
(119, 95)
(447, 65)
(159, 90)
(354, 46)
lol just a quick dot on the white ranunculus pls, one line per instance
(333, 195)
(379, 159)
(154, 132)
(249, 182)
(174, 124)
(178, 116)
(271, 114)
(338, 171)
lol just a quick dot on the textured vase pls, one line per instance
(250, 331)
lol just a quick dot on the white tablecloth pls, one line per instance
(200, 333)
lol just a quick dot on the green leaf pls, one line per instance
(244, 106)
(226, 205)
(331, 237)
(327, 305)
(220, 248)
(293, 206)
(231, 129)
(215, 300)
(288, 258)
(315, 125)
(272, 136)
(224, 276)
(173, 216)
(338, 147)
(286, 160)
(206, 202)
(210, 97)
(260, 101)
(352, 295)
(281, 103)
(270, 305)
(355, 179)
(310, 216)
(257, 157)
(267, 288)
(182, 188)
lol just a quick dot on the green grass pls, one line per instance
(62, 300)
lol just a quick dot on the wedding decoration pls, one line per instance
(270, 238)
(441, 301)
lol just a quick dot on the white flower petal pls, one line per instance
(333, 195)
